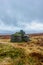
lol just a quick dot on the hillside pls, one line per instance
(30, 53)
(20, 54)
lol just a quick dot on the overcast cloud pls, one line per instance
(21, 14)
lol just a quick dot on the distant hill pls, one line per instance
(5, 36)
(35, 34)
(9, 36)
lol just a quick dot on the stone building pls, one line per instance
(19, 37)
(16, 38)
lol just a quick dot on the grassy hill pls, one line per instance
(30, 53)
(20, 54)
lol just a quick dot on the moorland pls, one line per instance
(23, 53)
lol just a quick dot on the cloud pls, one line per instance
(34, 25)
(21, 14)
(5, 27)
(31, 27)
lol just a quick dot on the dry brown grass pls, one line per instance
(34, 48)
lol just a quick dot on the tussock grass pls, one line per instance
(14, 53)
(18, 54)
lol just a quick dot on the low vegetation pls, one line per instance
(23, 53)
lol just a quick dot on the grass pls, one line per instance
(13, 53)
(19, 53)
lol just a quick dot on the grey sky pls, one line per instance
(21, 14)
